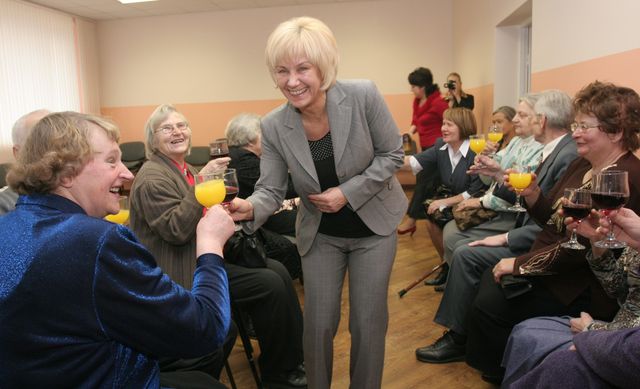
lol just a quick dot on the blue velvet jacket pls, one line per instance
(83, 304)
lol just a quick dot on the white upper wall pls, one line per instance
(219, 56)
(571, 31)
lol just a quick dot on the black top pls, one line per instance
(247, 166)
(465, 102)
(345, 223)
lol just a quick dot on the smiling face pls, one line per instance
(97, 188)
(525, 120)
(450, 132)
(175, 143)
(300, 82)
(593, 143)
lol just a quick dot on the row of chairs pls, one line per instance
(133, 156)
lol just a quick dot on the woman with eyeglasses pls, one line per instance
(607, 122)
(164, 215)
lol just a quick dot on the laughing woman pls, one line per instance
(342, 147)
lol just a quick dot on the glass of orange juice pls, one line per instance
(122, 217)
(477, 143)
(520, 179)
(210, 189)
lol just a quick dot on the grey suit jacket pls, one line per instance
(367, 151)
(548, 174)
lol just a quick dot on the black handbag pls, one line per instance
(439, 217)
(246, 250)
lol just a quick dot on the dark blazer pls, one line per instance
(84, 305)
(367, 149)
(548, 173)
(458, 180)
(572, 274)
(247, 166)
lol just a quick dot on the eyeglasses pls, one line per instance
(168, 128)
(582, 127)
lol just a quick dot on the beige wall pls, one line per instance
(213, 63)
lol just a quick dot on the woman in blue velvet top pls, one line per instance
(82, 303)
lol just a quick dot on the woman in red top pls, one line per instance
(428, 107)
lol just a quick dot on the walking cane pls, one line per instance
(419, 280)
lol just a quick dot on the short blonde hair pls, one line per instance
(57, 148)
(159, 115)
(242, 129)
(304, 37)
(464, 119)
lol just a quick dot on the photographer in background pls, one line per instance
(455, 95)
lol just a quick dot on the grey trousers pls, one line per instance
(368, 261)
(465, 273)
(454, 238)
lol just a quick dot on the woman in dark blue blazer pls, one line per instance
(451, 157)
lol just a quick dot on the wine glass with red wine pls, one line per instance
(231, 186)
(218, 148)
(610, 191)
(577, 205)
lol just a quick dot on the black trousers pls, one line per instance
(195, 373)
(492, 317)
(268, 296)
(283, 222)
(282, 250)
(426, 183)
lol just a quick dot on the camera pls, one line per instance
(450, 84)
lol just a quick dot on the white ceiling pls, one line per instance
(112, 9)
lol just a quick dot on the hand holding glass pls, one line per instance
(210, 189)
(520, 180)
(610, 190)
(122, 217)
(577, 205)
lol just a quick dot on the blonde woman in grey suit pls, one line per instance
(342, 147)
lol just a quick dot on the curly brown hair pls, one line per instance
(57, 148)
(617, 109)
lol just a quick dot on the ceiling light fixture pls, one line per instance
(134, 1)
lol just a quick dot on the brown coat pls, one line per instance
(164, 216)
(570, 272)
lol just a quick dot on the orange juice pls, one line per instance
(121, 217)
(520, 180)
(477, 145)
(210, 193)
(495, 136)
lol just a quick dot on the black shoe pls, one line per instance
(443, 350)
(440, 288)
(441, 278)
(492, 379)
(294, 379)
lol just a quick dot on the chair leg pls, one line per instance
(227, 368)
(246, 343)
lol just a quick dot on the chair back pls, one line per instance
(198, 157)
(4, 168)
(133, 155)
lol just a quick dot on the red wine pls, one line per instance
(609, 200)
(232, 192)
(218, 155)
(576, 211)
